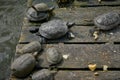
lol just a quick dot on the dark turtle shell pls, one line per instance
(34, 46)
(53, 56)
(53, 29)
(41, 7)
(38, 12)
(23, 65)
(107, 21)
(43, 74)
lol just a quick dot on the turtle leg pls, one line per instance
(70, 35)
(42, 40)
(33, 29)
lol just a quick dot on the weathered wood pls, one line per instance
(83, 75)
(26, 36)
(83, 16)
(82, 35)
(87, 75)
(80, 55)
(94, 3)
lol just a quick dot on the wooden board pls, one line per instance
(87, 75)
(82, 35)
(83, 16)
(94, 3)
(81, 55)
(26, 36)
(82, 75)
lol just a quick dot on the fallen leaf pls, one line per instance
(92, 67)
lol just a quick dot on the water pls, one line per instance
(11, 16)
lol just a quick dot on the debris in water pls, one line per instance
(92, 67)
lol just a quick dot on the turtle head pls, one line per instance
(70, 24)
(51, 8)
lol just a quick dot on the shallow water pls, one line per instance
(11, 16)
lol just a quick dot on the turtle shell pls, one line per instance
(43, 74)
(107, 21)
(34, 46)
(40, 12)
(32, 15)
(23, 65)
(41, 7)
(53, 56)
(53, 29)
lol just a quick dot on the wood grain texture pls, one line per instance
(80, 55)
(82, 35)
(87, 75)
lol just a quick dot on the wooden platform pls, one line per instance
(83, 49)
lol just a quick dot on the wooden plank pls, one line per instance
(87, 75)
(83, 75)
(83, 16)
(82, 35)
(26, 36)
(94, 3)
(81, 55)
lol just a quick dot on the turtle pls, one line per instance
(53, 56)
(105, 22)
(39, 12)
(43, 74)
(23, 65)
(34, 46)
(54, 29)
(64, 3)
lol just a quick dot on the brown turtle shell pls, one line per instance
(23, 65)
(53, 56)
(107, 21)
(34, 46)
(43, 74)
(53, 29)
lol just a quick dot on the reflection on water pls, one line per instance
(11, 16)
(10, 22)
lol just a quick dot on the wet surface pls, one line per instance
(11, 16)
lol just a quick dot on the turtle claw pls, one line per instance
(71, 35)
